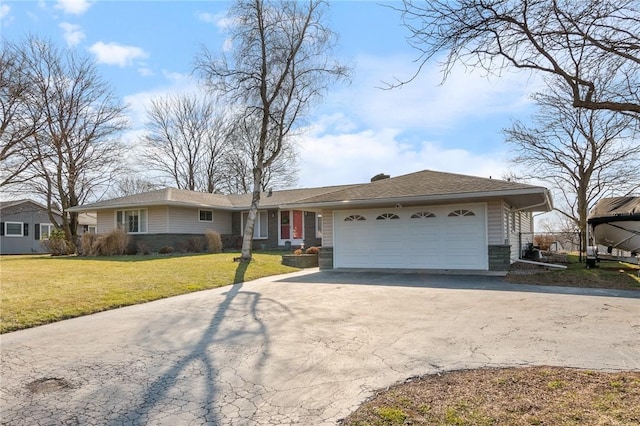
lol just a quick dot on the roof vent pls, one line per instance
(380, 176)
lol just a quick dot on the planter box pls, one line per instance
(300, 260)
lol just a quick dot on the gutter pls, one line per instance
(547, 200)
(441, 197)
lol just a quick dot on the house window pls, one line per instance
(318, 226)
(458, 213)
(206, 215)
(132, 221)
(387, 216)
(354, 218)
(91, 229)
(422, 215)
(260, 226)
(13, 229)
(45, 230)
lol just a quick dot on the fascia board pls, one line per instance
(427, 199)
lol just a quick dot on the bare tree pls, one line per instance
(241, 159)
(74, 154)
(584, 42)
(19, 121)
(186, 141)
(130, 184)
(280, 65)
(583, 154)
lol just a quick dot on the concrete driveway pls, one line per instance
(304, 348)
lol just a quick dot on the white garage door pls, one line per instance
(443, 237)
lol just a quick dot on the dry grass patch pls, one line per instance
(42, 289)
(510, 396)
(608, 274)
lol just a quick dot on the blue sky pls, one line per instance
(145, 49)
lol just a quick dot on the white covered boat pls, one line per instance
(615, 223)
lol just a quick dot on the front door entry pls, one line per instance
(292, 226)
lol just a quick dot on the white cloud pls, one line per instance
(146, 72)
(220, 20)
(117, 54)
(365, 130)
(73, 7)
(334, 158)
(4, 10)
(424, 102)
(72, 33)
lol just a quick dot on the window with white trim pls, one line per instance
(132, 221)
(205, 215)
(14, 229)
(354, 218)
(260, 226)
(45, 230)
(318, 226)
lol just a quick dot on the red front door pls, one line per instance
(297, 225)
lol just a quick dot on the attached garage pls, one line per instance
(429, 237)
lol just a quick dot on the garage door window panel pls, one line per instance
(388, 216)
(423, 215)
(461, 213)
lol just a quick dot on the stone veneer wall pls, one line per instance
(179, 242)
(325, 258)
(499, 257)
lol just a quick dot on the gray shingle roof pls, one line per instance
(426, 183)
(166, 196)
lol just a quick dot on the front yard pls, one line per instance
(41, 289)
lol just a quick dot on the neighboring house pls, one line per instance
(423, 220)
(24, 224)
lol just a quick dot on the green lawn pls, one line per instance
(42, 289)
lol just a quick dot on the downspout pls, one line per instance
(547, 200)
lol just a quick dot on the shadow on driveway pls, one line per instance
(447, 281)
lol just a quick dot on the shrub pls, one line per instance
(57, 243)
(214, 241)
(194, 245)
(313, 250)
(166, 250)
(297, 252)
(112, 244)
(131, 249)
(143, 248)
(87, 241)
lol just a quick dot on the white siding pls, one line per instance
(183, 220)
(106, 221)
(171, 220)
(496, 235)
(157, 220)
(519, 227)
(327, 228)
